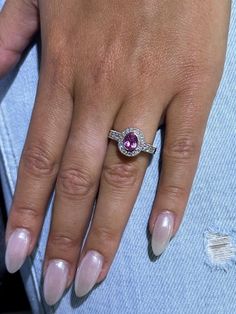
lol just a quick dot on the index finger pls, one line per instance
(37, 171)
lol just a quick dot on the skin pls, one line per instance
(110, 65)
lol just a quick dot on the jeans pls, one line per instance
(197, 272)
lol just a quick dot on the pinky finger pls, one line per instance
(18, 23)
(185, 125)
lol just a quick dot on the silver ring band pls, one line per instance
(131, 142)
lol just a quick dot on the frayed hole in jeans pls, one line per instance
(220, 248)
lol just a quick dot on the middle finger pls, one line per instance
(75, 191)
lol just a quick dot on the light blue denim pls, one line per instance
(184, 279)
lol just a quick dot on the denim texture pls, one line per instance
(184, 279)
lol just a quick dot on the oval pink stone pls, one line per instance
(130, 141)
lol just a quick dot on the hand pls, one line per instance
(108, 65)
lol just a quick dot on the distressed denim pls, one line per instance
(193, 275)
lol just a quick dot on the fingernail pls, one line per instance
(88, 272)
(17, 249)
(162, 231)
(55, 280)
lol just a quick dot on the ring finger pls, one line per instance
(120, 182)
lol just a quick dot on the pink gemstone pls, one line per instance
(130, 141)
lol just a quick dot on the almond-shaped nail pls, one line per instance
(88, 272)
(17, 249)
(162, 231)
(55, 280)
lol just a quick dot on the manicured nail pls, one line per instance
(55, 281)
(162, 231)
(88, 272)
(17, 249)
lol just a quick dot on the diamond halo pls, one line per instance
(131, 142)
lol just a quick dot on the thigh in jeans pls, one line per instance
(197, 272)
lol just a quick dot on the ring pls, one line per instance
(131, 142)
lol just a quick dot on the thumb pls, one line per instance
(18, 23)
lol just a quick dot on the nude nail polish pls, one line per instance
(88, 272)
(17, 249)
(162, 231)
(55, 280)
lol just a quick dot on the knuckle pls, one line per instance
(75, 183)
(194, 67)
(147, 64)
(63, 241)
(120, 175)
(105, 234)
(196, 73)
(26, 216)
(181, 150)
(59, 61)
(59, 68)
(26, 211)
(105, 67)
(100, 73)
(174, 192)
(56, 44)
(39, 162)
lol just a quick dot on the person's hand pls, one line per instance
(108, 65)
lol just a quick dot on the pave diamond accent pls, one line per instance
(149, 149)
(114, 135)
(131, 142)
